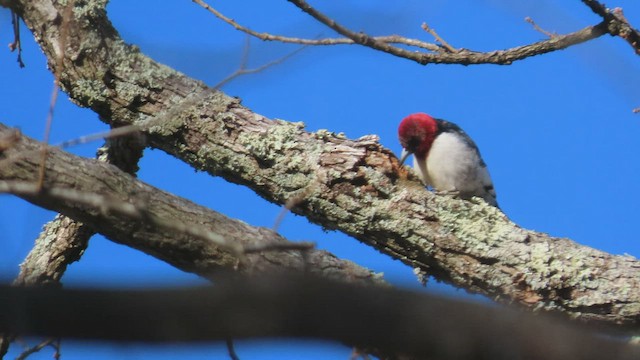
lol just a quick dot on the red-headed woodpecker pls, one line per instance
(445, 157)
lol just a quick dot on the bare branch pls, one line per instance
(64, 240)
(170, 228)
(300, 246)
(359, 38)
(539, 29)
(291, 203)
(61, 242)
(16, 44)
(108, 206)
(242, 69)
(62, 43)
(391, 39)
(306, 307)
(617, 24)
(436, 54)
(113, 133)
(231, 350)
(34, 349)
(136, 212)
(435, 35)
(463, 56)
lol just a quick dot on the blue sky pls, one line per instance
(556, 131)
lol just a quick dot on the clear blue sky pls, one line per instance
(556, 131)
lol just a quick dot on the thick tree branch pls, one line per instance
(173, 229)
(355, 186)
(305, 308)
(63, 240)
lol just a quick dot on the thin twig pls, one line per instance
(300, 246)
(291, 203)
(56, 345)
(132, 211)
(116, 132)
(281, 215)
(8, 141)
(437, 54)
(16, 44)
(36, 348)
(64, 30)
(464, 56)
(47, 132)
(435, 35)
(231, 350)
(242, 69)
(539, 29)
(360, 37)
(138, 211)
(391, 39)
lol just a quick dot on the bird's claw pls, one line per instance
(451, 193)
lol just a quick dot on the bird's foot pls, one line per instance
(451, 193)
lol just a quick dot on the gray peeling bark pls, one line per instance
(355, 186)
(19, 169)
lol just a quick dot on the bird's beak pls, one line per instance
(405, 154)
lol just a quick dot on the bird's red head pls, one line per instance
(416, 133)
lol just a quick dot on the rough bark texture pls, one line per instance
(19, 165)
(63, 240)
(355, 186)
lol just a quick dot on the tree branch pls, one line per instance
(63, 240)
(391, 39)
(617, 24)
(129, 212)
(437, 54)
(243, 70)
(462, 56)
(304, 307)
(355, 186)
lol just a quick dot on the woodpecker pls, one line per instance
(445, 157)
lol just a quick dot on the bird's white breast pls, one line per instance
(453, 165)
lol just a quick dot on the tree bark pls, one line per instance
(63, 240)
(171, 228)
